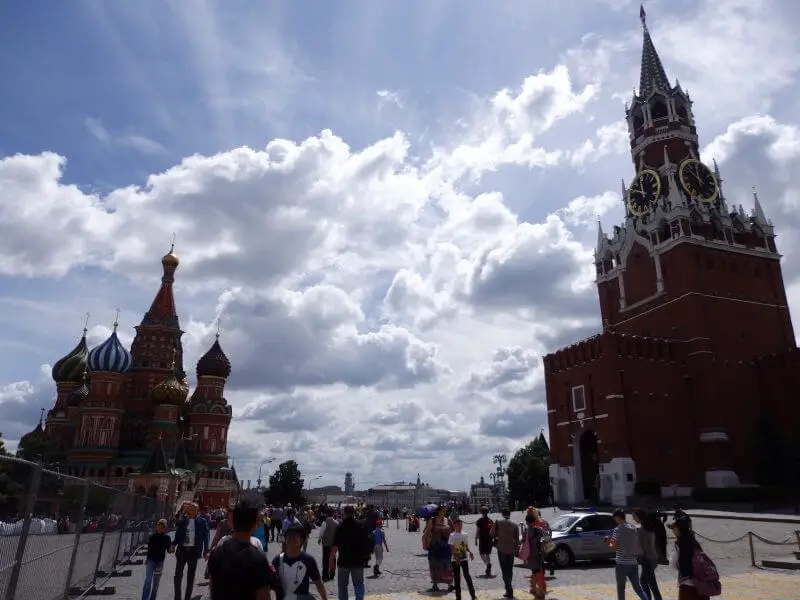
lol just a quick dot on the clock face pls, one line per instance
(644, 192)
(698, 181)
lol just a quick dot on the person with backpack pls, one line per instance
(649, 556)
(625, 542)
(698, 578)
(531, 553)
(238, 570)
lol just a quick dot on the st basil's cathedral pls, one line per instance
(125, 419)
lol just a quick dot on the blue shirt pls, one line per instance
(287, 523)
(379, 536)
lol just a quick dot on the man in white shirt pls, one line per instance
(191, 542)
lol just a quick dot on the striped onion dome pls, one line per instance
(110, 356)
(71, 367)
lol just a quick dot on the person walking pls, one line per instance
(698, 578)
(191, 542)
(327, 531)
(483, 539)
(461, 555)
(380, 544)
(532, 537)
(649, 556)
(297, 570)
(223, 530)
(505, 533)
(625, 542)
(157, 547)
(435, 543)
(238, 568)
(350, 544)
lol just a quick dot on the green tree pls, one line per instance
(528, 476)
(286, 485)
(38, 449)
(10, 488)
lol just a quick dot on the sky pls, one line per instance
(391, 207)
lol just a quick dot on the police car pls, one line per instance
(579, 536)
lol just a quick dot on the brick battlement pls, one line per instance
(610, 343)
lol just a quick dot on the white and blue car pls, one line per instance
(579, 536)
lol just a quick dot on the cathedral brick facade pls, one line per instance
(124, 419)
(697, 344)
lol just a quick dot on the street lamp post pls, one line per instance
(500, 460)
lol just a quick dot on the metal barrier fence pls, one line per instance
(63, 537)
(761, 551)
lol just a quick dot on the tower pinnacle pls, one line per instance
(652, 76)
(162, 311)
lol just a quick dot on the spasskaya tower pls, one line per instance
(693, 306)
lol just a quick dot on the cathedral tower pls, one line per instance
(100, 412)
(69, 374)
(156, 345)
(208, 413)
(168, 398)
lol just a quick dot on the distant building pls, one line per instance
(331, 494)
(394, 495)
(349, 484)
(479, 494)
(411, 495)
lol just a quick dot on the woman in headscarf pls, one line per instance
(435, 542)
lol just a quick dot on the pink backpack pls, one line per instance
(706, 576)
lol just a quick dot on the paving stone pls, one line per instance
(405, 569)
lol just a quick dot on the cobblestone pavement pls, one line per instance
(405, 570)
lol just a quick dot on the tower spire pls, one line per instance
(601, 237)
(162, 311)
(758, 211)
(652, 76)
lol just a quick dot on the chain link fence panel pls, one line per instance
(64, 537)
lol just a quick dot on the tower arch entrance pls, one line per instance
(590, 465)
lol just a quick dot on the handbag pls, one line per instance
(524, 551)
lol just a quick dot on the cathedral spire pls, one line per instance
(652, 76)
(162, 310)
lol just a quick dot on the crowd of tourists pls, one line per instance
(235, 543)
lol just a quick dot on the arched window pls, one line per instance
(658, 111)
(638, 120)
(682, 113)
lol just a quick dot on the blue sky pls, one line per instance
(466, 138)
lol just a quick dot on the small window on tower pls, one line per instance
(578, 399)
(658, 111)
